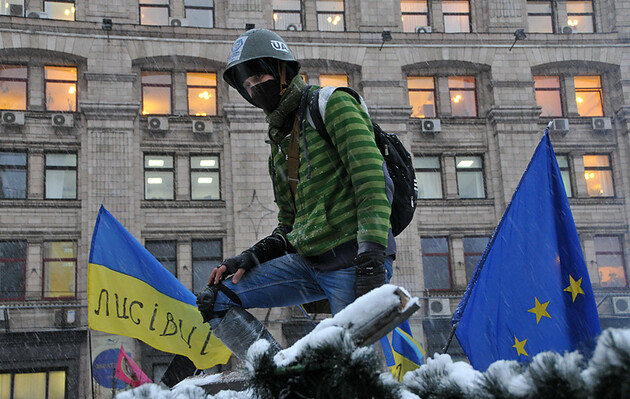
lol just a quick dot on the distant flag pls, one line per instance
(128, 371)
(405, 353)
(131, 294)
(531, 291)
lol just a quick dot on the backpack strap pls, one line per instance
(293, 157)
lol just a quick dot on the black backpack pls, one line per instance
(397, 158)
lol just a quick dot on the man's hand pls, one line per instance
(220, 273)
(369, 270)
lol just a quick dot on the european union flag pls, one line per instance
(531, 291)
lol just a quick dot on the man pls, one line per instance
(333, 239)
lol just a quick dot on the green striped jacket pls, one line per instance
(344, 198)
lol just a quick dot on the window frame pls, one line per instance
(343, 14)
(566, 169)
(599, 89)
(465, 89)
(74, 13)
(430, 170)
(216, 169)
(552, 15)
(218, 258)
(591, 14)
(480, 170)
(36, 371)
(142, 5)
(435, 96)
(188, 87)
(470, 254)
(275, 11)
(196, 7)
(76, 85)
(160, 259)
(17, 167)
(414, 13)
(601, 168)
(66, 168)
(76, 269)
(155, 169)
(16, 260)
(169, 85)
(447, 255)
(620, 253)
(468, 14)
(21, 80)
(559, 90)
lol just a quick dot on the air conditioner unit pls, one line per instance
(602, 124)
(157, 123)
(12, 118)
(62, 120)
(294, 27)
(16, 10)
(65, 318)
(560, 126)
(37, 14)
(431, 126)
(568, 29)
(423, 29)
(201, 126)
(178, 22)
(621, 304)
(439, 307)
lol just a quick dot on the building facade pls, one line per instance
(122, 104)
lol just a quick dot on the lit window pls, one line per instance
(206, 255)
(159, 177)
(565, 172)
(539, 17)
(202, 93)
(165, 252)
(589, 96)
(330, 15)
(610, 261)
(12, 175)
(204, 178)
(156, 93)
(154, 12)
(199, 13)
(462, 96)
(548, 95)
(63, 10)
(333, 80)
(61, 176)
(422, 96)
(598, 175)
(12, 269)
(60, 265)
(415, 13)
(473, 249)
(470, 177)
(456, 16)
(61, 88)
(287, 15)
(580, 16)
(43, 384)
(14, 8)
(13, 79)
(429, 177)
(436, 263)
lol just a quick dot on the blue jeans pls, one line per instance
(289, 280)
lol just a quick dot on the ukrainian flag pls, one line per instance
(131, 294)
(405, 353)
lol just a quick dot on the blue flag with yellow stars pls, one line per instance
(531, 291)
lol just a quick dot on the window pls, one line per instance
(436, 263)
(165, 252)
(287, 15)
(12, 175)
(333, 80)
(470, 176)
(206, 255)
(415, 13)
(63, 10)
(580, 16)
(154, 12)
(159, 177)
(589, 96)
(61, 88)
(565, 172)
(330, 15)
(13, 84)
(199, 13)
(15, 8)
(548, 95)
(540, 16)
(61, 176)
(610, 261)
(473, 249)
(43, 384)
(598, 175)
(204, 178)
(156, 93)
(202, 93)
(462, 95)
(12, 269)
(60, 265)
(422, 96)
(456, 16)
(429, 176)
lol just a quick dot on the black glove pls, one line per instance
(369, 270)
(205, 302)
(268, 248)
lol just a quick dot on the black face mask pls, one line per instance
(266, 95)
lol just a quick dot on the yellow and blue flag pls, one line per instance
(531, 290)
(405, 353)
(131, 294)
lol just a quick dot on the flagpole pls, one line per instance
(91, 360)
(450, 338)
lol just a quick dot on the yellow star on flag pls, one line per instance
(540, 310)
(520, 346)
(575, 287)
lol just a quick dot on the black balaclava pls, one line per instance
(265, 95)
